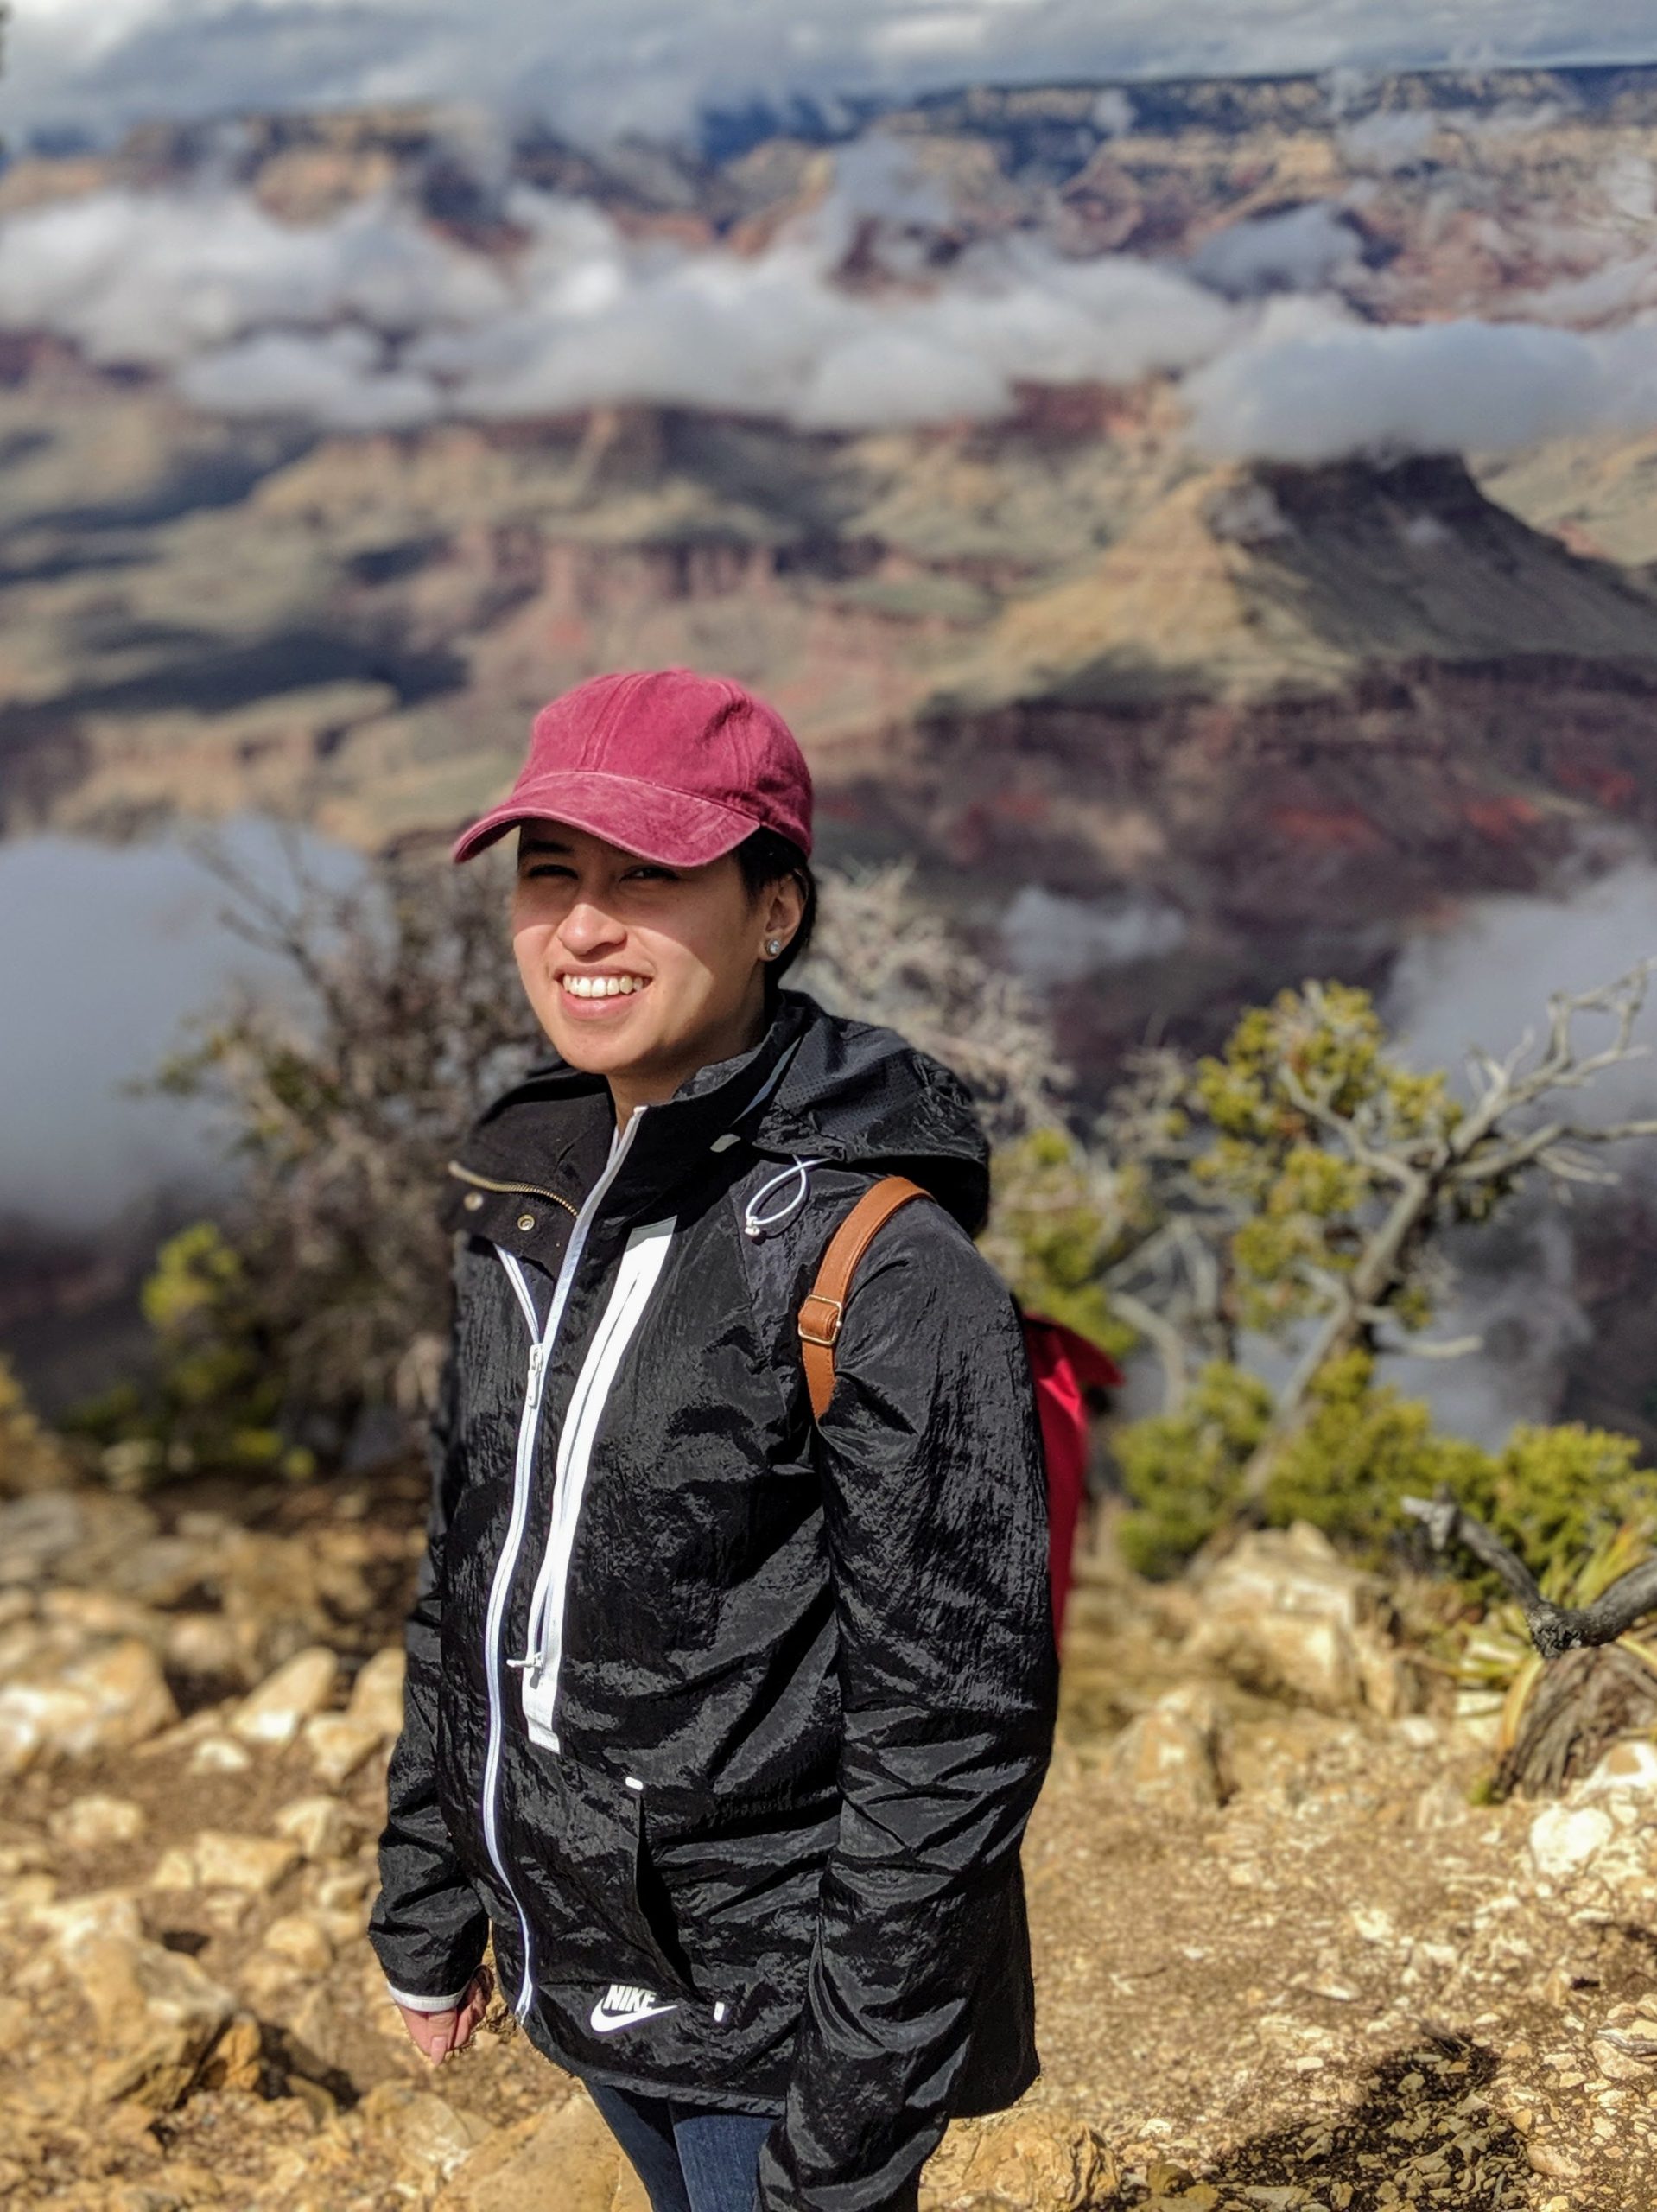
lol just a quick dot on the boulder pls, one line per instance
(96, 1916)
(425, 2133)
(1566, 1840)
(218, 1754)
(322, 1827)
(1031, 2159)
(93, 1822)
(215, 1859)
(567, 2157)
(108, 1699)
(376, 1697)
(338, 1745)
(1172, 1757)
(273, 1714)
(1282, 1614)
(103, 1614)
(1627, 1770)
(207, 1646)
(299, 1938)
(71, 1536)
(158, 2017)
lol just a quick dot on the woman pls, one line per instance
(723, 1722)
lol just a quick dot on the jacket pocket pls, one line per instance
(578, 1854)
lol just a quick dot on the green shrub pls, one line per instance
(215, 1399)
(1554, 1494)
(1365, 1448)
(1051, 1239)
(1183, 1470)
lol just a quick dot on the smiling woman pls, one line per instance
(727, 1707)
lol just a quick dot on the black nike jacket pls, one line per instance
(727, 1725)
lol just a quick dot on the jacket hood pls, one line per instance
(817, 1086)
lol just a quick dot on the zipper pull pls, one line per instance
(537, 1363)
(530, 1659)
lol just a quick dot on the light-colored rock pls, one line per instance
(1282, 1614)
(1629, 1768)
(426, 2132)
(71, 1536)
(158, 2015)
(96, 1916)
(1171, 1757)
(101, 1613)
(376, 1697)
(301, 1938)
(322, 1827)
(509, 2174)
(218, 1859)
(1045, 2158)
(207, 1645)
(93, 1822)
(338, 1745)
(274, 1713)
(110, 1700)
(234, 2061)
(1564, 1840)
(254, 1863)
(219, 1754)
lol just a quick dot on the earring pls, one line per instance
(773, 946)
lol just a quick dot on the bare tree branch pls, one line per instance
(1554, 1629)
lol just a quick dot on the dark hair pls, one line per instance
(766, 858)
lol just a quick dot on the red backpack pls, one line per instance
(1063, 1366)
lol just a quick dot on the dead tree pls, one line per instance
(1593, 1687)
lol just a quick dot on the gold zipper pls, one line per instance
(512, 1190)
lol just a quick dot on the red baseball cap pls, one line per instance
(673, 765)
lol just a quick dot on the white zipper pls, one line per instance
(523, 1468)
(641, 1270)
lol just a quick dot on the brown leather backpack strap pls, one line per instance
(824, 1308)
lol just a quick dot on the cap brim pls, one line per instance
(657, 824)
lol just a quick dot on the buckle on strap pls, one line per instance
(820, 1321)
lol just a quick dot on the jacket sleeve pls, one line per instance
(937, 1528)
(427, 1926)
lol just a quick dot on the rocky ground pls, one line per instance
(1286, 1961)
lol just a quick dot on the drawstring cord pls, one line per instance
(756, 1222)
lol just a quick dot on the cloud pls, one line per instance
(376, 320)
(132, 940)
(1052, 939)
(159, 278)
(1486, 980)
(338, 378)
(1301, 250)
(371, 321)
(596, 66)
(1310, 384)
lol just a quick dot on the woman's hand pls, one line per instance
(436, 2036)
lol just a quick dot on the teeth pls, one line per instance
(603, 986)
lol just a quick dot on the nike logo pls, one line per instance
(623, 2006)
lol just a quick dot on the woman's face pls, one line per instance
(639, 972)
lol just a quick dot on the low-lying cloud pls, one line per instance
(134, 944)
(373, 322)
(597, 66)
(1309, 383)
(376, 320)
(1486, 982)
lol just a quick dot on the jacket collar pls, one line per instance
(554, 1128)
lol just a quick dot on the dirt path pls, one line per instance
(1348, 1987)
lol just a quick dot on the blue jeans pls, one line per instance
(689, 2159)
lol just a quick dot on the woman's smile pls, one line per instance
(595, 994)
